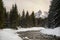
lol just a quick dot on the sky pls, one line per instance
(30, 5)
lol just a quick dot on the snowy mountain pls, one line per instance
(41, 14)
(44, 15)
(37, 14)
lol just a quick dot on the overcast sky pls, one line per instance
(30, 5)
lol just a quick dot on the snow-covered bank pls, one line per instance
(48, 31)
(30, 29)
(9, 34)
(55, 31)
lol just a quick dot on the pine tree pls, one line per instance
(23, 14)
(1, 14)
(23, 24)
(8, 20)
(27, 19)
(5, 18)
(54, 14)
(27, 15)
(19, 20)
(33, 19)
(14, 17)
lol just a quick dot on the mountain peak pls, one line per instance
(37, 14)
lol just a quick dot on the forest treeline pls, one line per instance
(13, 19)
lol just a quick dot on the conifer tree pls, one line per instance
(5, 18)
(27, 19)
(54, 14)
(23, 19)
(23, 14)
(1, 14)
(14, 17)
(33, 19)
(19, 20)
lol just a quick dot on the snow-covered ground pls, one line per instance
(9, 34)
(30, 29)
(48, 31)
(55, 31)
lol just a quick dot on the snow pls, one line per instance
(48, 31)
(29, 29)
(38, 14)
(9, 34)
(55, 31)
(25, 38)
